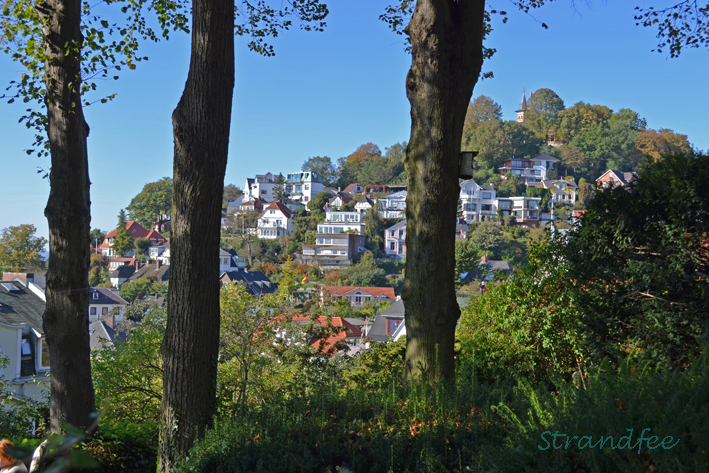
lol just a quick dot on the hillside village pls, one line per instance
(312, 264)
(344, 240)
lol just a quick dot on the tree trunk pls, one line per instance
(68, 212)
(201, 132)
(446, 39)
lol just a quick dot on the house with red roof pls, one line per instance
(341, 333)
(136, 231)
(357, 295)
(275, 221)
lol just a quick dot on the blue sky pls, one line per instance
(324, 94)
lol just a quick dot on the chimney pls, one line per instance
(157, 264)
(483, 259)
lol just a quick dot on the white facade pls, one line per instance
(260, 186)
(395, 240)
(524, 209)
(342, 222)
(275, 221)
(478, 202)
(303, 186)
(393, 205)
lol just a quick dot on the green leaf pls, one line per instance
(81, 459)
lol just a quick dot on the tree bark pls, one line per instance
(201, 133)
(446, 39)
(68, 212)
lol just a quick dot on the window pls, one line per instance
(104, 310)
(487, 195)
(307, 187)
(486, 208)
(505, 204)
(92, 311)
(537, 163)
(263, 191)
(272, 212)
(401, 233)
(44, 350)
(401, 249)
(392, 325)
(95, 295)
(392, 246)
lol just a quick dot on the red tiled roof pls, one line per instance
(135, 229)
(153, 235)
(374, 291)
(278, 206)
(324, 345)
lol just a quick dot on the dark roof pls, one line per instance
(100, 335)
(155, 299)
(378, 330)
(257, 282)
(161, 273)
(123, 272)
(21, 306)
(544, 157)
(105, 297)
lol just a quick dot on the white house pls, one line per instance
(393, 205)
(395, 240)
(303, 186)
(230, 261)
(365, 204)
(260, 186)
(102, 302)
(275, 221)
(22, 339)
(523, 208)
(477, 202)
(538, 168)
(331, 250)
(342, 222)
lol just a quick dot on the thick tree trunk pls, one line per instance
(68, 212)
(446, 39)
(201, 131)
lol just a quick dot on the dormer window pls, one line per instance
(95, 294)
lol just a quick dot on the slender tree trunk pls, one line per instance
(446, 38)
(68, 212)
(201, 131)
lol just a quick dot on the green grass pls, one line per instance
(471, 427)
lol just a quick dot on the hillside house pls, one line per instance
(536, 169)
(613, 178)
(478, 203)
(275, 221)
(303, 186)
(260, 187)
(102, 302)
(342, 222)
(393, 205)
(356, 295)
(136, 231)
(22, 339)
(334, 249)
(395, 240)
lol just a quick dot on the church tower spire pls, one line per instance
(522, 107)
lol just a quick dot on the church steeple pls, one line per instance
(522, 107)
